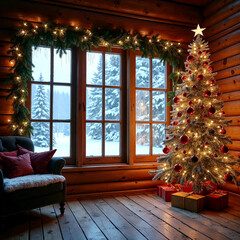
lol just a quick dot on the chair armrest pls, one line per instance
(56, 164)
(1, 182)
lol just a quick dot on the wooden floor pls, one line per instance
(128, 216)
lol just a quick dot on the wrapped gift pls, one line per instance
(217, 200)
(160, 187)
(194, 202)
(207, 188)
(185, 187)
(178, 199)
(167, 193)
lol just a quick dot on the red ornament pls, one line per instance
(190, 103)
(167, 137)
(210, 68)
(194, 86)
(199, 53)
(212, 81)
(206, 52)
(166, 149)
(194, 159)
(206, 143)
(218, 94)
(228, 177)
(185, 94)
(222, 112)
(215, 155)
(211, 110)
(190, 111)
(175, 123)
(200, 77)
(176, 99)
(184, 151)
(184, 139)
(223, 131)
(205, 64)
(179, 114)
(183, 78)
(188, 121)
(190, 72)
(201, 107)
(176, 148)
(186, 65)
(205, 116)
(190, 58)
(207, 93)
(224, 149)
(177, 168)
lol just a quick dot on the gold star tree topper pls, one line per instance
(198, 30)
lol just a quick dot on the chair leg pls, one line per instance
(62, 208)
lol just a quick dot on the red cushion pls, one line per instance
(39, 160)
(13, 154)
(18, 166)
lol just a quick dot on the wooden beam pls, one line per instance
(235, 120)
(233, 131)
(234, 146)
(232, 108)
(229, 84)
(229, 72)
(227, 63)
(231, 96)
(141, 9)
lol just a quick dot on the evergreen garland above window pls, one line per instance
(63, 37)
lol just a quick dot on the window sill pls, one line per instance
(113, 166)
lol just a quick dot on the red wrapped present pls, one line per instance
(217, 200)
(207, 188)
(184, 188)
(160, 187)
(167, 193)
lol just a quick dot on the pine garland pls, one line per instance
(63, 37)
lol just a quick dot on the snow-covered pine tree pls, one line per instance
(196, 142)
(40, 110)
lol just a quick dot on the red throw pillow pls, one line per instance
(39, 160)
(13, 154)
(18, 166)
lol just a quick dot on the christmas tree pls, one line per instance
(40, 110)
(196, 149)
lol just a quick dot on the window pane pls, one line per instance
(112, 69)
(61, 102)
(41, 136)
(94, 68)
(112, 139)
(112, 104)
(158, 106)
(158, 74)
(142, 72)
(41, 58)
(142, 139)
(94, 103)
(93, 139)
(62, 67)
(61, 139)
(158, 131)
(40, 101)
(142, 105)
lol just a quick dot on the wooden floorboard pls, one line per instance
(124, 216)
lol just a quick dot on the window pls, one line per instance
(104, 105)
(51, 102)
(150, 111)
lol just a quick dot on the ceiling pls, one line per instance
(201, 3)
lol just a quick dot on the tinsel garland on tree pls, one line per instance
(63, 37)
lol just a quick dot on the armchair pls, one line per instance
(31, 191)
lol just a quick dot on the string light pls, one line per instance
(25, 24)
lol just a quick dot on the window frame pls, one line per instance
(134, 158)
(72, 159)
(82, 159)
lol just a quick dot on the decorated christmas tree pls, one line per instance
(196, 142)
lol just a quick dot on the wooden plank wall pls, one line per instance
(222, 20)
(146, 17)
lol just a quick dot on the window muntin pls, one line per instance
(103, 105)
(51, 107)
(150, 111)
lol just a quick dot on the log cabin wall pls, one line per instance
(173, 20)
(222, 20)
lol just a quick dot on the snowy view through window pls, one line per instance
(150, 105)
(47, 116)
